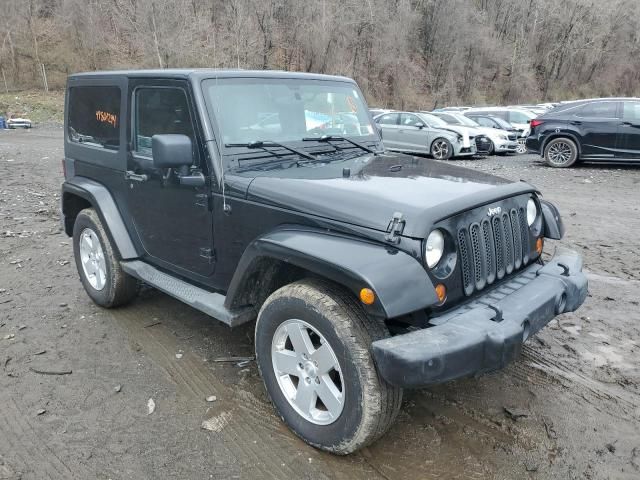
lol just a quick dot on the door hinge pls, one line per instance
(208, 254)
(395, 228)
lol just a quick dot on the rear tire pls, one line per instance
(332, 321)
(561, 152)
(98, 263)
(441, 149)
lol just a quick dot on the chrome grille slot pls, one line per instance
(493, 248)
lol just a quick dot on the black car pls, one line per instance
(248, 196)
(601, 130)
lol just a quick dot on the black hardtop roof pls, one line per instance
(203, 73)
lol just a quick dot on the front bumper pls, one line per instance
(506, 146)
(486, 333)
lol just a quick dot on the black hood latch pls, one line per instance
(395, 228)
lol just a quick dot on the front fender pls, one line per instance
(399, 281)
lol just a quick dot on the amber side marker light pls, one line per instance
(539, 245)
(441, 292)
(367, 296)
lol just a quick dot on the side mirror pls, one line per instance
(419, 125)
(171, 151)
(379, 128)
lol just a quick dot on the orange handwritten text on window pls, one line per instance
(106, 117)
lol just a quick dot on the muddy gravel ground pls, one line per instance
(569, 408)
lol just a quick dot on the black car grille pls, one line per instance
(482, 144)
(493, 248)
(513, 137)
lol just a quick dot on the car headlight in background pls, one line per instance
(434, 248)
(532, 211)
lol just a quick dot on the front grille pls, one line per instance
(482, 143)
(512, 137)
(493, 248)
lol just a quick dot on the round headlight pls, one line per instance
(434, 248)
(532, 211)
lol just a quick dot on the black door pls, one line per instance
(629, 131)
(173, 221)
(597, 126)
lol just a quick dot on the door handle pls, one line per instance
(629, 124)
(136, 177)
(575, 122)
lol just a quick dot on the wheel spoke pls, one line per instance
(286, 362)
(299, 337)
(324, 358)
(305, 397)
(330, 395)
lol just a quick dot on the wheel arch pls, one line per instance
(287, 254)
(79, 193)
(568, 135)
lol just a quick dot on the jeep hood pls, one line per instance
(424, 191)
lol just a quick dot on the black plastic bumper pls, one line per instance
(487, 333)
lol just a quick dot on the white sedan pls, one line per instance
(18, 123)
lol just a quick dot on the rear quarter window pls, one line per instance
(94, 116)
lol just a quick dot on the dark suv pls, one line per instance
(268, 196)
(602, 130)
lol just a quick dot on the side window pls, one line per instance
(94, 116)
(484, 121)
(408, 120)
(598, 109)
(632, 111)
(160, 110)
(518, 117)
(388, 119)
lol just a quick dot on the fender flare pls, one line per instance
(400, 282)
(553, 224)
(101, 200)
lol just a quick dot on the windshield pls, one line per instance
(432, 120)
(285, 110)
(463, 120)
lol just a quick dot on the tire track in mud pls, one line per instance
(568, 377)
(20, 443)
(251, 432)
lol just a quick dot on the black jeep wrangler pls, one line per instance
(269, 196)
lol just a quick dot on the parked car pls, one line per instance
(517, 117)
(491, 121)
(18, 122)
(379, 111)
(325, 241)
(602, 130)
(425, 133)
(501, 141)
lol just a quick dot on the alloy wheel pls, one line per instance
(92, 259)
(560, 153)
(440, 150)
(308, 372)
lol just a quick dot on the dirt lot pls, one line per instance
(574, 396)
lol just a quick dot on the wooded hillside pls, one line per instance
(403, 53)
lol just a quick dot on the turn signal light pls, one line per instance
(539, 245)
(441, 292)
(367, 296)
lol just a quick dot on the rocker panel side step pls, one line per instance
(208, 302)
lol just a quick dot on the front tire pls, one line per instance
(441, 149)
(561, 152)
(313, 350)
(98, 264)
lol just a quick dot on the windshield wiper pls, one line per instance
(329, 138)
(269, 143)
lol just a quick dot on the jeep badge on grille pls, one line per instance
(494, 211)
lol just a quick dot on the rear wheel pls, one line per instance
(561, 152)
(98, 264)
(441, 149)
(313, 350)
